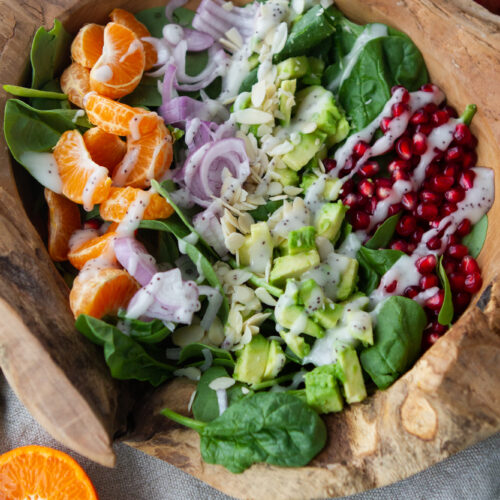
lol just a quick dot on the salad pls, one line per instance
(269, 200)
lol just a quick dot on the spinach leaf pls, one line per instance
(27, 92)
(384, 233)
(398, 337)
(146, 332)
(125, 357)
(205, 405)
(272, 427)
(145, 95)
(262, 212)
(154, 19)
(49, 53)
(474, 241)
(195, 351)
(445, 316)
(373, 264)
(43, 103)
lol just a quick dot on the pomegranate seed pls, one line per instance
(347, 187)
(400, 175)
(411, 291)
(442, 183)
(469, 159)
(429, 339)
(452, 240)
(452, 112)
(385, 123)
(398, 109)
(369, 169)
(463, 229)
(454, 154)
(432, 170)
(391, 287)
(434, 243)
(439, 117)
(409, 201)
(427, 211)
(467, 179)
(431, 108)
(424, 128)
(473, 142)
(394, 209)
(461, 300)
(92, 224)
(360, 148)
(384, 188)
(457, 251)
(398, 165)
(366, 188)
(406, 225)
(383, 182)
(371, 205)
(405, 98)
(429, 197)
(428, 87)
(359, 219)
(352, 200)
(438, 328)
(429, 281)
(436, 301)
(473, 282)
(447, 209)
(329, 164)
(451, 170)
(419, 117)
(450, 265)
(468, 265)
(462, 134)
(400, 245)
(419, 143)
(427, 264)
(457, 281)
(417, 235)
(404, 148)
(411, 247)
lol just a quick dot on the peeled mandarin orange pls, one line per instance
(64, 220)
(93, 249)
(40, 472)
(119, 69)
(83, 180)
(118, 118)
(75, 83)
(105, 149)
(148, 157)
(127, 19)
(119, 200)
(87, 45)
(101, 291)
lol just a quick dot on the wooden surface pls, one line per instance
(448, 401)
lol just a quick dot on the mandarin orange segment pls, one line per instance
(40, 472)
(83, 180)
(119, 200)
(93, 249)
(118, 118)
(148, 157)
(130, 21)
(119, 69)
(101, 291)
(104, 148)
(75, 83)
(64, 220)
(87, 46)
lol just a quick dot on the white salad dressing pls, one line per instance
(43, 167)
(126, 166)
(98, 176)
(81, 236)
(79, 114)
(135, 213)
(102, 73)
(135, 46)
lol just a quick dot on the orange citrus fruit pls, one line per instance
(118, 118)
(147, 158)
(75, 83)
(92, 249)
(87, 45)
(40, 472)
(120, 198)
(124, 17)
(101, 291)
(64, 220)
(105, 149)
(83, 181)
(119, 69)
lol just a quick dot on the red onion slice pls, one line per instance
(172, 5)
(197, 40)
(134, 257)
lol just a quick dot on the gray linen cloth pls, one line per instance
(471, 474)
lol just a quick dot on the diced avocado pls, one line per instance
(322, 390)
(329, 315)
(293, 266)
(295, 318)
(257, 250)
(287, 100)
(243, 101)
(293, 67)
(275, 360)
(253, 61)
(302, 152)
(316, 68)
(252, 361)
(358, 301)
(316, 104)
(329, 219)
(331, 190)
(359, 325)
(350, 374)
(301, 240)
(311, 295)
(348, 280)
(291, 292)
(308, 179)
(287, 176)
(296, 343)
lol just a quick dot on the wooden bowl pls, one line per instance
(448, 401)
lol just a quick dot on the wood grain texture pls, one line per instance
(448, 401)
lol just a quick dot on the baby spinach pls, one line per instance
(146, 332)
(49, 53)
(27, 92)
(44, 103)
(271, 427)
(384, 233)
(146, 94)
(195, 350)
(398, 337)
(445, 316)
(154, 19)
(262, 212)
(474, 241)
(125, 357)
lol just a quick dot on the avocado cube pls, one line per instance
(359, 326)
(350, 374)
(329, 315)
(301, 240)
(305, 150)
(257, 250)
(311, 295)
(292, 68)
(252, 361)
(329, 219)
(308, 179)
(332, 189)
(287, 100)
(293, 266)
(322, 390)
(348, 280)
(295, 318)
(275, 360)
(295, 343)
(287, 176)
